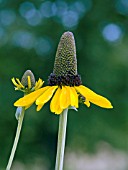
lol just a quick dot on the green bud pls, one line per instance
(24, 79)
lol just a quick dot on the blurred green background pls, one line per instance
(29, 35)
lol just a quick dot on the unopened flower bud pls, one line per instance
(28, 79)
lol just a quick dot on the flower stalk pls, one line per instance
(19, 126)
(61, 140)
(26, 85)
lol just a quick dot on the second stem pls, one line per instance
(16, 139)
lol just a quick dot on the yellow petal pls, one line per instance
(21, 85)
(39, 107)
(16, 84)
(93, 97)
(30, 98)
(73, 96)
(58, 111)
(45, 97)
(41, 82)
(14, 81)
(87, 103)
(55, 102)
(38, 84)
(29, 82)
(26, 107)
(64, 98)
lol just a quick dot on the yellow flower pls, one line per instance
(65, 87)
(21, 87)
(63, 97)
(27, 84)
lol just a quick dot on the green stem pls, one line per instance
(20, 120)
(61, 140)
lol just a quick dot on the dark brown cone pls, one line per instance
(65, 66)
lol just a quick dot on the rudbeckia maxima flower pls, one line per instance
(65, 87)
(27, 84)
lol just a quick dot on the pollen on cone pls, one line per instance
(24, 79)
(65, 60)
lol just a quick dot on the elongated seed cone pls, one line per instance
(24, 79)
(65, 60)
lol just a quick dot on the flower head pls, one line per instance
(64, 84)
(27, 84)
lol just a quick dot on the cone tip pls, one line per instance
(67, 33)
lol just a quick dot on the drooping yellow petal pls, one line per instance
(26, 107)
(64, 98)
(30, 98)
(58, 110)
(73, 96)
(87, 103)
(45, 97)
(93, 97)
(39, 107)
(55, 102)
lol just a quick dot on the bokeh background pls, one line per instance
(97, 139)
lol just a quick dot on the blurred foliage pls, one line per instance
(29, 34)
